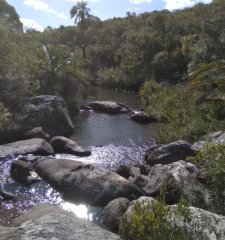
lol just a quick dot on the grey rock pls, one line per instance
(36, 132)
(145, 201)
(204, 225)
(65, 145)
(135, 171)
(113, 212)
(142, 117)
(20, 172)
(178, 179)
(7, 195)
(169, 153)
(212, 138)
(109, 107)
(48, 112)
(124, 171)
(84, 183)
(35, 146)
(50, 222)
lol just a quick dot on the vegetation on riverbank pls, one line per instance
(184, 116)
(120, 53)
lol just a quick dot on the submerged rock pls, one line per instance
(142, 117)
(36, 146)
(65, 145)
(109, 107)
(169, 153)
(7, 195)
(50, 222)
(20, 171)
(48, 112)
(83, 183)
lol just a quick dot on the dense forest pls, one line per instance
(176, 60)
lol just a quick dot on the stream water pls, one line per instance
(113, 139)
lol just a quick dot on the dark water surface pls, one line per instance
(113, 140)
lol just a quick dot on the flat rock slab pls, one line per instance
(49, 222)
(36, 146)
(83, 183)
(109, 107)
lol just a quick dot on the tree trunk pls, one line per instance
(84, 51)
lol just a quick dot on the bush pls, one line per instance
(212, 161)
(4, 116)
(154, 221)
(184, 119)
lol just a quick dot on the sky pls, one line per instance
(38, 14)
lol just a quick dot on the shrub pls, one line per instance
(212, 161)
(4, 116)
(154, 221)
(184, 119)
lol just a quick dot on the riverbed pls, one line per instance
(113, 139)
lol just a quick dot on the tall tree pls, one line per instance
(80, 13)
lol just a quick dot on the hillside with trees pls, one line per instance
(182, 51)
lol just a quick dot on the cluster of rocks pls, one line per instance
(119, 108)
(165, 167)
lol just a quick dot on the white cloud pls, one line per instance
(37, 5)
(31, 24)
(40, 5)
(75, 1)
(177, 4)
(140, 1)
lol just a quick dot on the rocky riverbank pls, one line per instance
(164, 167)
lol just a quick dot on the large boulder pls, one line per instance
(212, 138)
(109, 107)
(202, 225)
(65, 145)
(126, 218)
(113, 213)
(48, 112)
(178, 180)
(83, 183)
(169, 153)
(192, 223)
(50, 222)
(35, 146)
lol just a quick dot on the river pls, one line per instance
(113, 139)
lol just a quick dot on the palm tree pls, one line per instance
(80, 13)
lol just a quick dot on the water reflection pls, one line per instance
(113, 139)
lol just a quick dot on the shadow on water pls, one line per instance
(113, 139)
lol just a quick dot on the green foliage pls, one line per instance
(4, 116)
(212, 161)
(9, 17)
(153, 221)
(183, 118)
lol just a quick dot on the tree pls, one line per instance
(80, 13)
